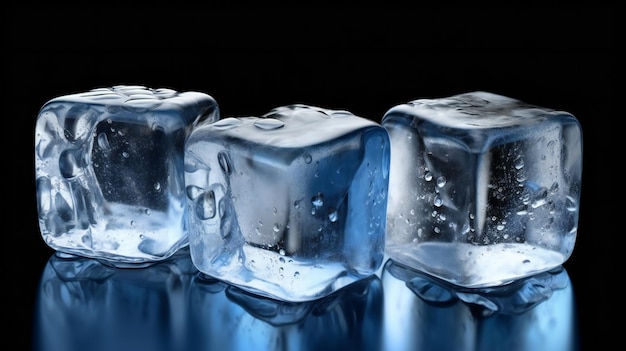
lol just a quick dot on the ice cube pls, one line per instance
(484, 189)
(109, 171)
(290, 205)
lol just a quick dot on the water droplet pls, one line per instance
(157, 186)
(428, 176)
(526, 261)
(318, 200)
(141, 236)
(125, 154)
(224, 162)
(307, 158)
(332, 215)
(296, 275)
(570, 204)
(296, 204)
(226, 123)
(147, 211)
(282, 253)
(519, 163)
(274, 210)
(500, 227)
(438, 201)
(269, 123)
(281, 270)
(132, 223)
(276, 228)
(441, 181)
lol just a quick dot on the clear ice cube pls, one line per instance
(289, 205)
(484, 189)
(110, 174)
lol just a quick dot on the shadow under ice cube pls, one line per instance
(483, 189)
(109, 171)
(290, 205)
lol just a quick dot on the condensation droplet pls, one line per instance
(428, 176)
(282, 253)
(125, 154)
(307, 158)
(296, 275)
(147, 211)
(224, 162)
(226, 123)
(441, 181)
(332, 215)
(438, 201)
(526, 261)
(276, 228)
(318, 200)
(269, 123)
(570, 204)
(157, 186)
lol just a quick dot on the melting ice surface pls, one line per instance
(483, 189)
(290, 205)
(109, 171)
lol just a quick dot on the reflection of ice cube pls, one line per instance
(225, 317)
(83, 304)
(109, 171)
(484, 189)
(291, 204)
(533, 313)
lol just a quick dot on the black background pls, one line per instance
(361, 59)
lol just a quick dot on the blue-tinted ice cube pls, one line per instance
(109, 171)
(290, 205)
(484, 189)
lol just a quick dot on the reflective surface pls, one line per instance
(83, 304)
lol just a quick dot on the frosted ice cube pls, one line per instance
(290, 205)
(109, 171)
(484, 189)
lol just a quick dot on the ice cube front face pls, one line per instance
(484, 189)
(110, 174)
(289, 205)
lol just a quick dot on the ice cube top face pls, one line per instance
(290, 205)
(483, 189)
(110, 174)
